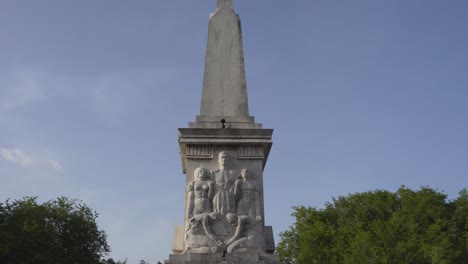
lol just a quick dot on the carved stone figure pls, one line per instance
(247, 236)
(223, 200)
(200, 194)
(246, 195)
(199, 237)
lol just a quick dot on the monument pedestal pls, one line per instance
(220, 258)
(245, 148)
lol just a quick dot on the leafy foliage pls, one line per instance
(57, 231)
(380, 227)
(112, 261)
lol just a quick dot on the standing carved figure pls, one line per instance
(200, 193)
(223, 200)
(246, 195)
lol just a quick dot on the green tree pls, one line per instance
(112, 261)
(55, 232)
(380, 227)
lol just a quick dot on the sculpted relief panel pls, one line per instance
(223, 210)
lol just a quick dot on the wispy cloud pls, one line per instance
(22, 158)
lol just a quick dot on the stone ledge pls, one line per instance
(230, 122)
(178, 243)
(219, 258)
(225, 133)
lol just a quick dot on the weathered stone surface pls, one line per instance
(220, 258)
(178, 240)
(224, 205)
(224, 84)
(224, 101)
(229, 122)
(269, 239)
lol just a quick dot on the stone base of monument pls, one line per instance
(220, 258)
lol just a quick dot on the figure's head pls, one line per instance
(214, 216)
(191, 223)
(245, 173)
(232, 219)
(223, 158)
(200, 174)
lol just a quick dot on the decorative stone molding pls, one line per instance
(250, 152)
(199, 151)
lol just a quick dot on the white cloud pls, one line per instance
(22, 158)
(55, 165)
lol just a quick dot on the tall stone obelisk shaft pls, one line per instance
(224, 3)
(224, 86)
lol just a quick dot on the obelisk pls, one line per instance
(224, 85)
(223, 156)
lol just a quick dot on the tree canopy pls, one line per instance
(55, 232)
(380, 227)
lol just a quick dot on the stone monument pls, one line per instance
(223, 156)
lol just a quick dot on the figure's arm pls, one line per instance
(235, 237)
(258, 211)
(240, 225)
(236, 174)
(211, 190)
(211, 174)
(237, 186)
(233, 176)
(191, 196)
(207, 229)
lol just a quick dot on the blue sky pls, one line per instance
(362, 95)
